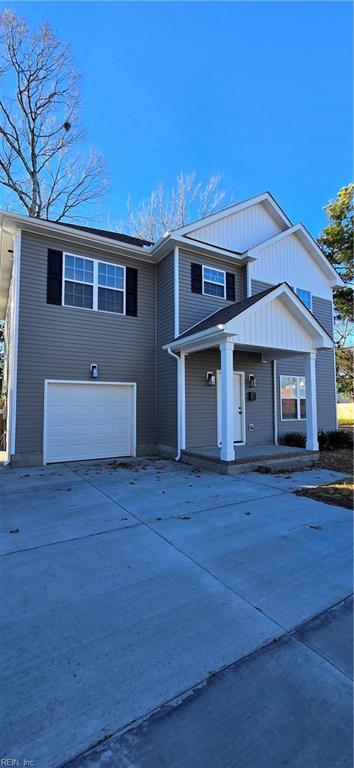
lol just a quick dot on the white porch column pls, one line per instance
(311, 403)
(227, 452)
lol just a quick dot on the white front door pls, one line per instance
(238, 415)
(239, 406)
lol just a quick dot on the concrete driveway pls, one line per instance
(161, 607)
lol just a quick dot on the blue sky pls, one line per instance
(257, 91)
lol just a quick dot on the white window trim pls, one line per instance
(95, 285)
(298, 417)
(205, 266)
(297, 288)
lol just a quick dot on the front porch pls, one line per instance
(249, 458)
(228, 387)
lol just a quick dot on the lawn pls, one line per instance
(339, 492)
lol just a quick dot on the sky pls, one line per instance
(257, 91)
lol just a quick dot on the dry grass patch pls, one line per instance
(339, 493)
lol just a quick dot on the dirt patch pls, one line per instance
(339, 493)
(340, 460)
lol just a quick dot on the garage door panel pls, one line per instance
(85, 421)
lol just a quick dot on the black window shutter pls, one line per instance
(54, 276)
(230, 286)
(196, 278)
(131, 291)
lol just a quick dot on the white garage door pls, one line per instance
(90, 420)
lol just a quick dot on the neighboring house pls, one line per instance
(220, 334)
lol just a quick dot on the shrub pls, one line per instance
(296, 439)
(337, 438)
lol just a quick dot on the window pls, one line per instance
(305, 296)
(110, 288)
(293, 397)
(93, 284)
(78, 285)
(214, 282)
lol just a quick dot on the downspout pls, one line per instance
(173, 354)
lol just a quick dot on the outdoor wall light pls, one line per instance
(94, 371)
(210, 379)
(252, 381)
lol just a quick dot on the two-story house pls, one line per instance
(216, 338)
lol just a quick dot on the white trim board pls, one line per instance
(14, 323)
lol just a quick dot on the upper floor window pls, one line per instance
(78, 282)
(93, 284)
(305, 296)
(110, 296)
(214, 282)
(293, 397)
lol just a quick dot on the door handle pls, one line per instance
(240, 412)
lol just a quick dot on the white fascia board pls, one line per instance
(165, 246)
(60, 232)
(265, 197)
(303, 314)
(209, 334)
(310, 243)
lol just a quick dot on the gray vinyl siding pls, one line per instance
(325, 376)
(201, 399)
(257, 286)
(166, 365)
(58, 342)
(194, 307)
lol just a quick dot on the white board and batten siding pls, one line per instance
(288, 260)
(239, 231)
(88, 420)
(273, 326)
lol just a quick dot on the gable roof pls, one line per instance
(265, 197)
(309, 243)
(220, 318)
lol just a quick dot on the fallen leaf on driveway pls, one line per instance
(183, 517)
(316, 527)
(14, 530)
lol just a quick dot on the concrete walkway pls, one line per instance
(126, 588)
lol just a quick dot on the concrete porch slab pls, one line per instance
(248, 458)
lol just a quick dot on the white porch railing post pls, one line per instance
(227, 452)
(311, 403)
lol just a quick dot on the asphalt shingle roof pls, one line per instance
(119, 236)
(222, 316)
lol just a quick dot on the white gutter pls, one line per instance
(60, 231)
(194, 337)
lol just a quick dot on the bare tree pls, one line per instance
(40, 162)
(169, 209)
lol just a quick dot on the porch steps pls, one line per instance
(299, 459)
